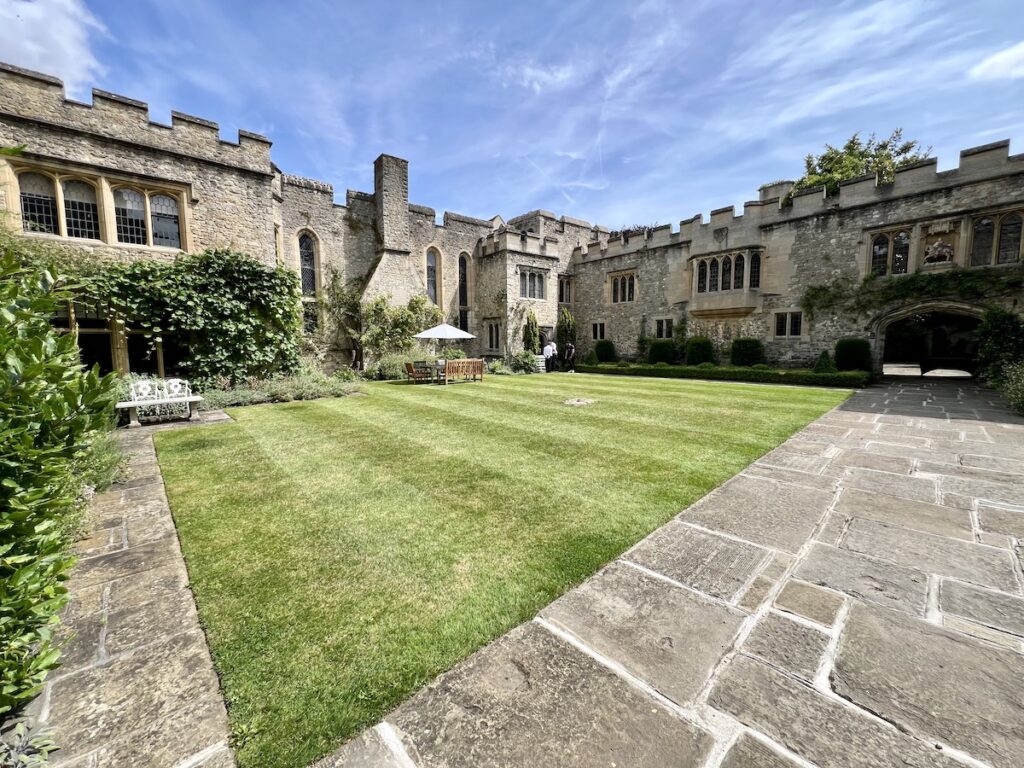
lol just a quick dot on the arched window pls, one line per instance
(738, 273)
(880, 255)
(81, 218)
(164, 215)
(900, 253)
(307, 264)
(981, 245)
(755, 270)
(632, 288)
(464, 292)
(38, 203)
(523, 291)
(713, 276)
(432, 275)
(702, 277)
(130, 216)
(1009, 239)
(726, 273)
(615, 290)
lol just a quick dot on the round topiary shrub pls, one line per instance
(661, 351)
(590, 358)
(761, 367)
(853, 354)
(825, 364)
(706, 366)
(699, 349)
(746, 352)
(605, 351)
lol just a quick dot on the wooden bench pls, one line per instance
(156, 392)
(461, 369)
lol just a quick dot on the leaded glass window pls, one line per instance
(755, 270)
(713, 276)
(307, 264)
(130, 216)
(81, 217)
(981, 246)
(631, 286)
(900, 253)
(38, 203)
(702, 277)
(880, 255)
(166, 227)
(738, 273)
(1009, 239)
(726, 273)
(523, 291)
(432, 275)
(463, 282)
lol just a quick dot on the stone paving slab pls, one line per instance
(531, 699)
(748, 752)
(993, 609)
(809, 601)
(921, 516)
(788, 645)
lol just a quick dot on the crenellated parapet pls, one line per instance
(529, 243)
(40, 99)
(314, 185)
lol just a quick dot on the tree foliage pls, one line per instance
(531, 334)
(858, 157)
(1001, 345)
(565, 330)
(52, 414)
(389, 330)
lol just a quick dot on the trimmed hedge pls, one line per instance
(845, 379)
(661, 351)
(746, 352)
(699, 349)
(605, 351)
(853, 354)
(824, 363)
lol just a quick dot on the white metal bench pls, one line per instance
(144, 393)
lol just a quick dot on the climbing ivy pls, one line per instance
(873, 293)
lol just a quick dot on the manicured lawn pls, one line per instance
(344, 552)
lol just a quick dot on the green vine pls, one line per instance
(874, 293)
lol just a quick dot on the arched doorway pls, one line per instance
(938, 339)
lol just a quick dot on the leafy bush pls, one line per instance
(853, 354)
(1001, 343)
(1012, 385)
(390, 367)
(452, 353)
(824, 363)
(590, 358)
(699, 349)
(308, 385)
(531, 334)
(661, 351)
(605, 351)
(845, 379)
(761, 367)
(389, 330)
(498, 367)
(565, 330)
(523, 362)
(746, 352)
(53, 414)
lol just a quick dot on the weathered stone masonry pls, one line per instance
(230, 194)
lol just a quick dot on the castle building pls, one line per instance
(103, 176)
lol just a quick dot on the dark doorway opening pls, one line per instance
(933, 341)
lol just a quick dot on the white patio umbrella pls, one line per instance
(444, 332)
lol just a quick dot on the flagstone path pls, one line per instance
(854, 598)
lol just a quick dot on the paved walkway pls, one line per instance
(136, 686)
(854, 598)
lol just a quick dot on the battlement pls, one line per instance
(40, 98)
(311, 184)
(529, 243)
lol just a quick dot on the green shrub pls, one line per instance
(1001, 343)
(661, 351)
(531, 334)
(498, 367)
(699, 349)
(845, 379)
(605, 351)
(53, 415)
(523, 362)
(453, 353)
(853, 354)
(824, 363)
(307, 385)
(565, 330)
(1012, 385)
(389, 367)
(746, 352)
(590, 358)
(761, 367)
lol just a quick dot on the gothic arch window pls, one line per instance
(631, 285)
(464, 291)
(81, 216)
(615, 290)
(900, 253)
(702, 277)
(738, 272)
(755, 270)
(1009, 239)
(523, 289)
(726, 273)
(308, 263)
(982, 242)
(38, 203)
(880, 255)
(432, 262)
(130, 216)
(713, 276)
(165, 221)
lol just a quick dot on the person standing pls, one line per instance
(570, 358)
(549, 356)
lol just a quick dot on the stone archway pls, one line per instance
(932, 334)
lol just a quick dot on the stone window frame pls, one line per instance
(438, 273)
(317, 261)
(597, 331)
(493, 325)
(664, 327)
(789, 313)
(464, 289)
(623, 287)
(565, 289)
(104, 185)
(997, 219)
(888, 237)
(532, 279)
(731, 271)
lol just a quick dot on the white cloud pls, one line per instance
(1007, 64)
(52, 36)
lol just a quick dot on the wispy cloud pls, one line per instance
(1007, 64)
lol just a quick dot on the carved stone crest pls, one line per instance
(938, 252)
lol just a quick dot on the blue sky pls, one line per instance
(616, 112)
